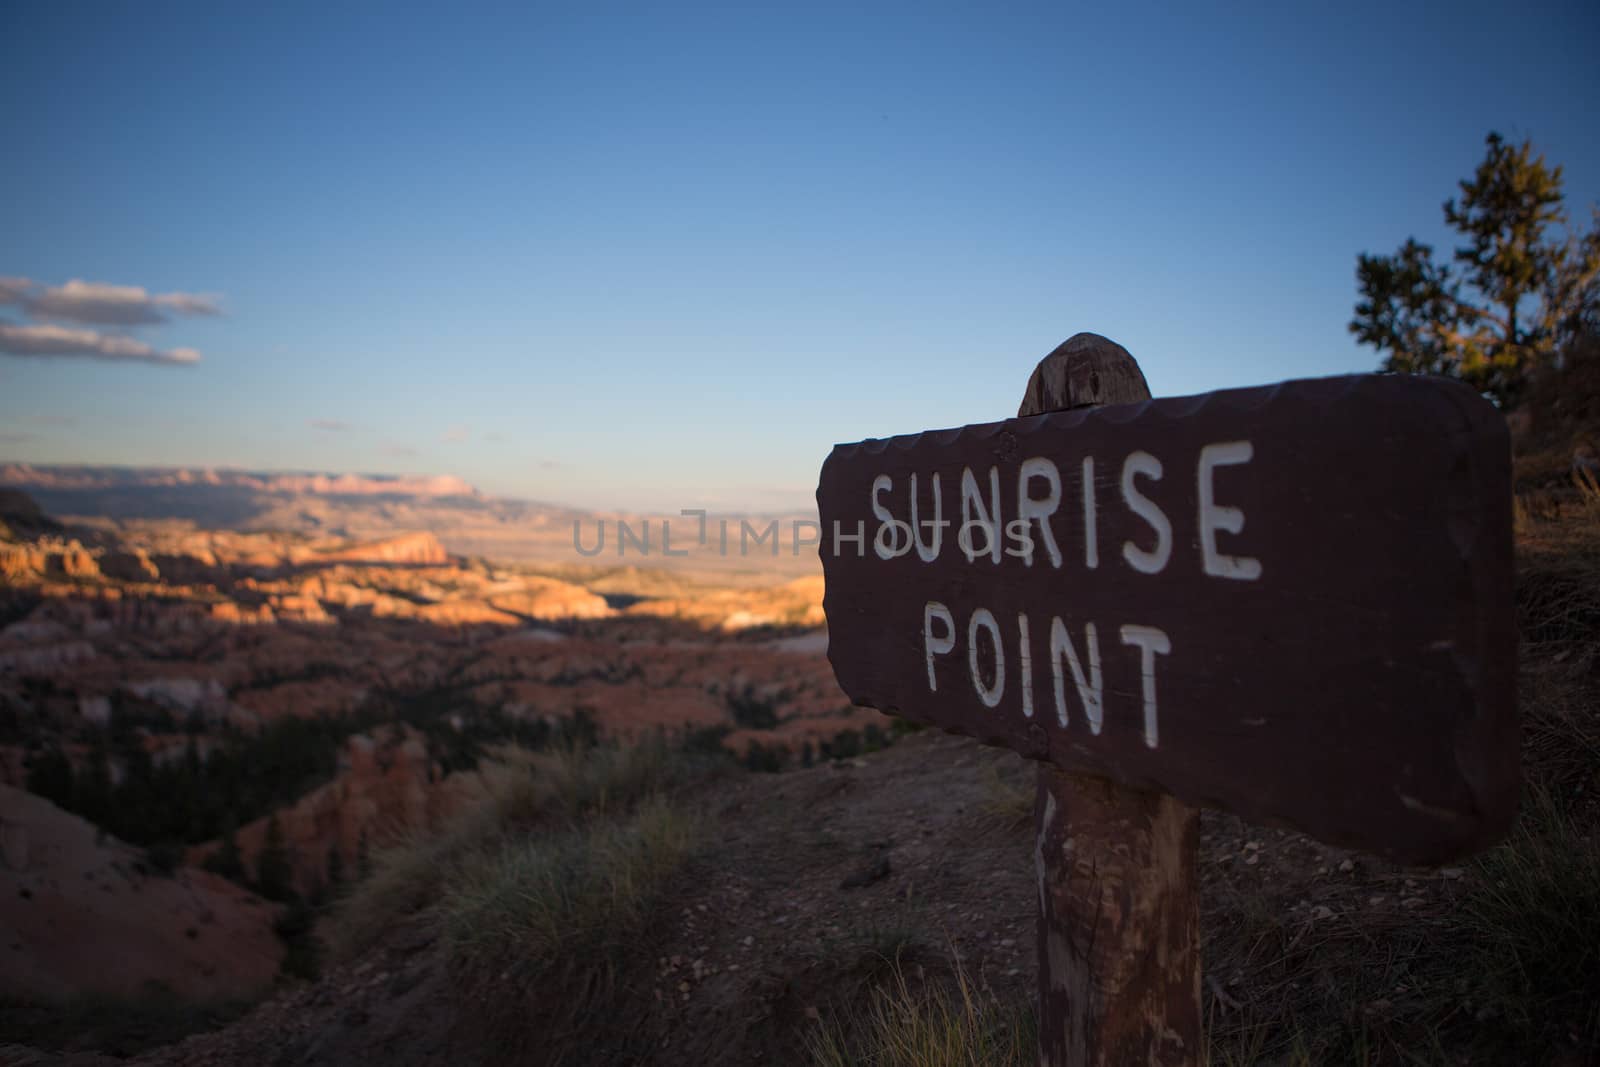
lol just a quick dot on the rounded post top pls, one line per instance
(1084, 370)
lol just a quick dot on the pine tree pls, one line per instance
(1509, 302)
(274, 872)
(226, 860)
(92, 792)
(50, 776)
(335, 869)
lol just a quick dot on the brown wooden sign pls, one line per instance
(1292, 602)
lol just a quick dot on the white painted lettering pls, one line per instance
(983, 619)
(1091, 541)
(972, 500)
(1151, 642)
(930, 552)
(1214, 516)
(1091, 690)
(1028, 508)
(1153, 561)
(887, 523)
(936, 646)
(1025, 664)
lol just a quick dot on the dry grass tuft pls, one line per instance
(597, 782)
(527, 793)
(409, 874)
(1558, 607)
(1561, 722)
(925, 1025)
(1558, 564)
(1008, 794)
(405, 878)
(852, 962)
(543, 897)
(561, 913)
(1532, 924)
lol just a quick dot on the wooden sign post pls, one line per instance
(1291, 602)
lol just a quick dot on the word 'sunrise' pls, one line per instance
(984, 533)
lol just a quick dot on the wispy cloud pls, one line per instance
(9, 438)
(329, 425)
(47, 340)
(455, 435)
(400, 451)
(99, 304)
(95, 304)
(190, 303)
(12, 290)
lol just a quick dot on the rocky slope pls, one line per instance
(84, 913)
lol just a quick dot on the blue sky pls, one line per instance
(667, 255)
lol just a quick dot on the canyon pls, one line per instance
(216, 725)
